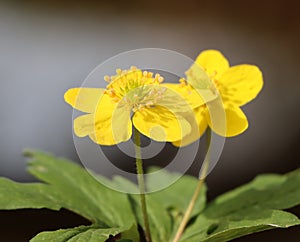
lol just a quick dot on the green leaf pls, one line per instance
(176, 197)
(87, 233)
(80, 192)
(266, 191)
(250, 208)
(178, 194)
(232, 226)
(15, 195)
(165, 207)
(70, 186)
(159, 219)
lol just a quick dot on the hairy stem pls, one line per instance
(195, 196)
(141, 182)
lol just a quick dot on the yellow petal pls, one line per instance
(198, 78)
(84, 125)
(213, 62)
(180, 95)
(105, 107)
(112, 123)
(198, 128)
(236, 122)
(160, 124)
(109, 125)
(240, 84)
(84, 99)
(113, 131)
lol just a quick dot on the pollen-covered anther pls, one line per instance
(135, 89)
(116, 99)
(150, 74)
(151, 92)
(162, 90)
(119, 71)
(149, 103)
(158, 78)
(112, 92)
(145, 73)
(182, 82)
(138, 107)
(107, 78)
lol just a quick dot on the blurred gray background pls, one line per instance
(47, 47)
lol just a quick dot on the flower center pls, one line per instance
(135, 89)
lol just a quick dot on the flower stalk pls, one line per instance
(195, 196)
(141, 182)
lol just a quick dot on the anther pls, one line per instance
(119, 71)
(150, 74)
(160, 79)
(182, 82)
(107, 78)
(149, 103)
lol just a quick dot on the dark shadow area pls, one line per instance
(22, 225)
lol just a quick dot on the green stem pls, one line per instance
(195, 196)
(141, 182)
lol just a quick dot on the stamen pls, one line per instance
(133, 68)
(119, 71)
(107, 78)
(182, 82)
(149, 103)
(135, 89)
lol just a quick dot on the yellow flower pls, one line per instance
(236, 86)
(132, 97)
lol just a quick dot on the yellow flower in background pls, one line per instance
(236, 85)
(132, 97)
